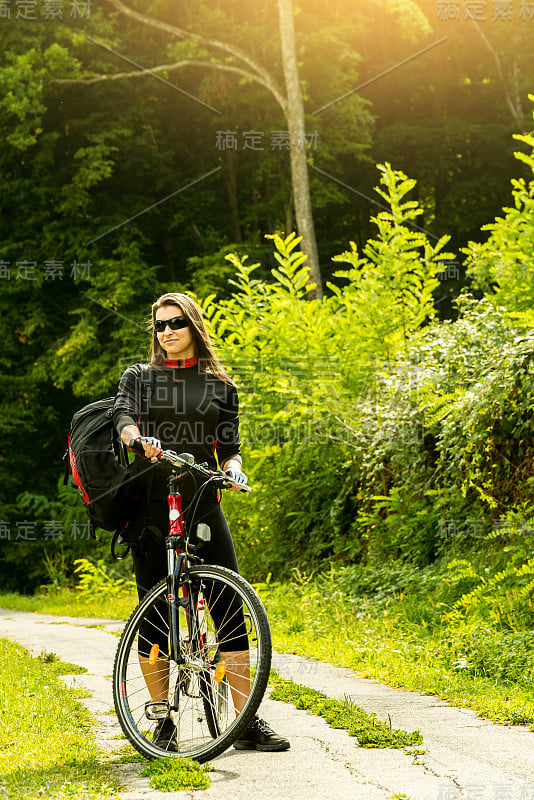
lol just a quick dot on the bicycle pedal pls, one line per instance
(157, 709)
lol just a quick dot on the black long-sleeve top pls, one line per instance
(189, 411)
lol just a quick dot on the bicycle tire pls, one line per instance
(198, 734)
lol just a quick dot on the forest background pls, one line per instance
(387, 428)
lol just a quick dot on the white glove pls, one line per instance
(238, 476)
(151, 440)
(151, 446)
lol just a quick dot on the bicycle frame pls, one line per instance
(175, 539)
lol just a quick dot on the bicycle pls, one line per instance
(184, 628)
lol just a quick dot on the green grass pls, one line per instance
(403, 637)
(56, 667)
(70, 603)
(46, 745)
(369, 731)
(175, 774)
(393, 642)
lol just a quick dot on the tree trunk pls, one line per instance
(297, 139)
(515, 108)
(230, 182)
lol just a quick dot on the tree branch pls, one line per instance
(263, 75)
(164, 68)
(518, 103)
(516, 113)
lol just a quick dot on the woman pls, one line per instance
(193, 408)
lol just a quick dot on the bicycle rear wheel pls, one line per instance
(225, 646)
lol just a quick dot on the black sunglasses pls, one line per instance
(175, 323)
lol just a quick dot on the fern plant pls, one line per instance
(503, 265)
(391, 283)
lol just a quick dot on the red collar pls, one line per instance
(181, 362)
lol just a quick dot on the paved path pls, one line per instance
(467, 758)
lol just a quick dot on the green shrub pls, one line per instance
(505, 655)
(96, 581)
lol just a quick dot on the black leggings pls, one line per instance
(150, 566)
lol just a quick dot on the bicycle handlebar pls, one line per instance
(186, 462)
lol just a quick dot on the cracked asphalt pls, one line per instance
(466, 758)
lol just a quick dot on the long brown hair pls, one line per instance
(204, 349)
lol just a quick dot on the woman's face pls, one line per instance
(176, 343)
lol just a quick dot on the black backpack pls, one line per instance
(97, 460)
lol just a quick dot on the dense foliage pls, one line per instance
(375, 426)
(403, 445)
(373, 431)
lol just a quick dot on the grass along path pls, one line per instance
(68, 602)
(383, 643)
(369, 731)
(396, 641)
(332, 750)
(46, 744)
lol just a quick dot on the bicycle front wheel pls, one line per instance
(207, 689)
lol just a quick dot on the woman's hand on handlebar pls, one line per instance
(239, 477)
(151, 446)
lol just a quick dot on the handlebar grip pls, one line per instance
(136, 446)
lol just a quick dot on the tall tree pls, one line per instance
(208, 43)
(249, 67)
(296, 126)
